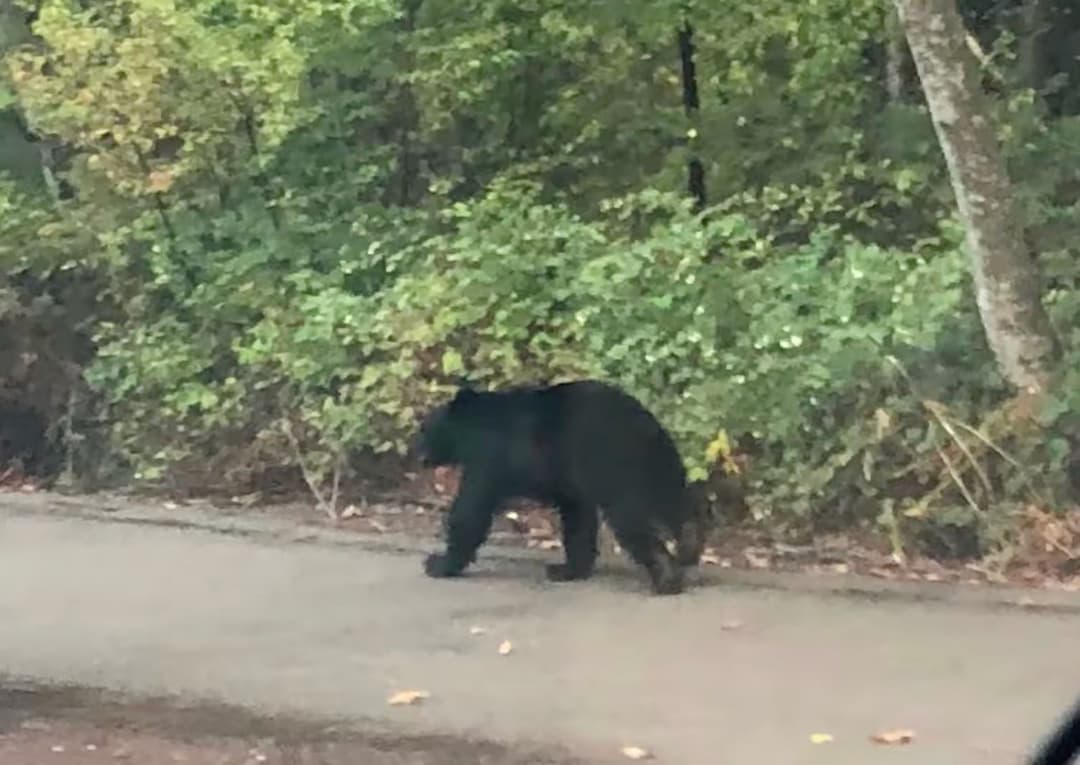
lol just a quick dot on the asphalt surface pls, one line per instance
(723, 674)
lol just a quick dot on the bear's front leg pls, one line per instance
(467, 527)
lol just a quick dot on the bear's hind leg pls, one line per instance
(580, 526)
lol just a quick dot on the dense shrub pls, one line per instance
(270, 236)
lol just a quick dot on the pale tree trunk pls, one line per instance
(1007, 285)
(895, 52)
(1031, 53)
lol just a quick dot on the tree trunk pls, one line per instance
(695, 170)
(895, 52)
(1007, 287)
(1032, 51)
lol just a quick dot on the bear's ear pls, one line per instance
(465, 394)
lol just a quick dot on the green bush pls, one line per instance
(293, 229)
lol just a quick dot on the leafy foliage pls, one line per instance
(304, 221)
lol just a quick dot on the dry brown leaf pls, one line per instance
(733, 624)
(550, 544)
(352, 511)
(821, 738)
(403, 698)
(710, 558)
(636, 753)
(898, 736)
(160, 180)
(445, 481)
(505, 647)
(477, 630)
(882, 421)
(755, 559)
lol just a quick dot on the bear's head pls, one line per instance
(446, 429)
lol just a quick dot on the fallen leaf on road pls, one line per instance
(379, 526)
(898, 736)
(477, 630)
(402, 698)
(733, 624)
(550, 544)
(505, 647)
(709, 558)
(636, 753)
(58, 748)
(170, 505)
(821, 738)
(840, 568)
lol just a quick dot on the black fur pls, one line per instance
(1063, 745)
(583, 447)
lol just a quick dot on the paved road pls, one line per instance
(331, 631)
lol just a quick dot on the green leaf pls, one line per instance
(452, 363)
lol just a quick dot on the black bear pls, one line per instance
(582, 447)
(1063, 745)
